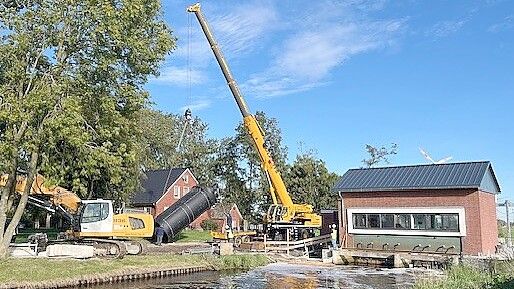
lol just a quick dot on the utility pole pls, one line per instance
(507, 205)
(509, 232)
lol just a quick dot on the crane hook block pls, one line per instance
(187, 114)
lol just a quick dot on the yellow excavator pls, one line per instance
(283, 213)
(93, 222)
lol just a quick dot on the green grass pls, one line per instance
(193, 236)
(467, 277)
(39, 270)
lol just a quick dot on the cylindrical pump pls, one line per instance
(186, 210)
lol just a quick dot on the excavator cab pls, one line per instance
(96, 216)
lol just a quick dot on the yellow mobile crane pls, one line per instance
(284, 213)
(93, 222)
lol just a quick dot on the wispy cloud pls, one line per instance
(180, 76)
(313, 51)
(445, 28)
(197, 105)
(241, 31)
(238, 32)
(506, 24)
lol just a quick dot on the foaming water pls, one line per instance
(286, 276)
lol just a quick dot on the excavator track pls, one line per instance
(110, 249)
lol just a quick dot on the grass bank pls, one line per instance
(501, 276)
(193, 236)
(15, 271)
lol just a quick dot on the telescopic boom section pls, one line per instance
(278, 186)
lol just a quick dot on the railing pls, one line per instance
(291, 245)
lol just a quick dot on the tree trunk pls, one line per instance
(9, 232)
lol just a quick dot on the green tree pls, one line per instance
(379, 154)
(71, 82)
(310, 182)
(239, 168)
(160, 138)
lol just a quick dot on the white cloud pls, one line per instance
(506, 24)
(445, 28)
(308, 57)
(197, 105)
(238, 32)
(241, 30)
(180, 76)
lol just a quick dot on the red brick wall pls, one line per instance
(480, 210)
(488, 225)
(168, 198)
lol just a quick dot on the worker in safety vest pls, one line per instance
(230, 234)
(333, 236)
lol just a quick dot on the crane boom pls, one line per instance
(284, 210)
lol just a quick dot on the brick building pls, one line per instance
(424, 208)
(162, 188)
(219, 213)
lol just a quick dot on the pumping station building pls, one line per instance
(437, 208)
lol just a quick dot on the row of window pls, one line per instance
(176, 191)
(429, 222)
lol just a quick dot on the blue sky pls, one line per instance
(340, 74)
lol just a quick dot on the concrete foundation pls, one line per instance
(73, 251)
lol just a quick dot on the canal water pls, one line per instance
(285, 276)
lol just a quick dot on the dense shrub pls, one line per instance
(209, 225)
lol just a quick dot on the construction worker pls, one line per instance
(333, 236)
(159, 233)
(230, 235)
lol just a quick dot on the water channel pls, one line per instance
(285, 276)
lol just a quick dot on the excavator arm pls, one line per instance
(283, 209)
(47, 196)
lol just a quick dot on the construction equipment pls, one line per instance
(93, 222)
(284, 213)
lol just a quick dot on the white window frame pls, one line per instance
(185, 178)
(176, 192)
(185, 190)
(408, 210)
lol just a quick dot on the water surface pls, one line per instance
(285, 276)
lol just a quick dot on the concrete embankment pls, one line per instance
(107, 278)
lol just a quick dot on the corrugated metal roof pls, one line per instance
(153, 185)
(417, 177)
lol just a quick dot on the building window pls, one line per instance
(387, 221)
(373, 221)
(176, 192)
(359, 221)
(402, 221)
(185, 178)
(185, 190)
(426, 222)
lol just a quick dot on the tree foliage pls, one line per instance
(161, 133)
(309, 181)
(71, 82)
(379, 154)
(239, 169)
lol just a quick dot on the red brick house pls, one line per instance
(162, 188)
(219, 213)
(444, 208)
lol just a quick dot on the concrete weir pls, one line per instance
(107, 278)
(392, 259)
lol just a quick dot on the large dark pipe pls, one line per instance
(186, 210)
